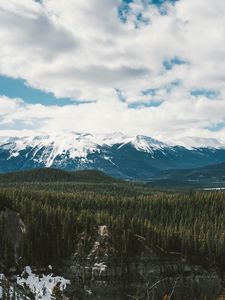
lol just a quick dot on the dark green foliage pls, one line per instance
(56, 213)
(54, 175)
(208, 176)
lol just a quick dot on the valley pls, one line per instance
(112, 150)
(111, 238)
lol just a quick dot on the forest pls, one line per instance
(56, 212)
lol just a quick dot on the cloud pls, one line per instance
(113, 53)
(33, 30)
(114, 116)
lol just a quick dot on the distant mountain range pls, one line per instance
(134, 158)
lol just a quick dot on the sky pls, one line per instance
(100, 66)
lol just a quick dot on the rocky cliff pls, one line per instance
(13, 229)
(97, 269)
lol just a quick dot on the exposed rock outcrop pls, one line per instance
(14, 229)
(97, 267)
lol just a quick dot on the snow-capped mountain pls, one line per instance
(135, 157)
(191, 142)
(76, 145)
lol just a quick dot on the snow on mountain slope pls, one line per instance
(57, 149)
(197, 142)
(112, 139)
(78, 144)
(73, 145)
(81, 144)
(115, 154)
(147, 144)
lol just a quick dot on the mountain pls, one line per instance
(128, 157)
(198, 142)
(210, 176)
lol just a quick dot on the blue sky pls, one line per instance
(155, 2)
(140, 67)
(17, 88)
(125, 9)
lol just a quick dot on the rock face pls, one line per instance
(97, 269)
(14, 230)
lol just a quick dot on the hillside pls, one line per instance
(212, 175)
(49, 175)
(66, 219)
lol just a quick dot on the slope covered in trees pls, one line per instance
(54, 175)
(55, 214)
(212, 175)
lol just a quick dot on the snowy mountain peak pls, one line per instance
(116, 154)
(198, 142)
(148, 144)
(74, 145)
(80, 144)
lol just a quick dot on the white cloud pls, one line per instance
(103, 117)
(82, 50)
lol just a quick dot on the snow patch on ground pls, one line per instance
(41, 286)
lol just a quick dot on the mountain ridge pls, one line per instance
(208, 176)
(128, 157)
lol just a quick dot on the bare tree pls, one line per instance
(148, 290)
